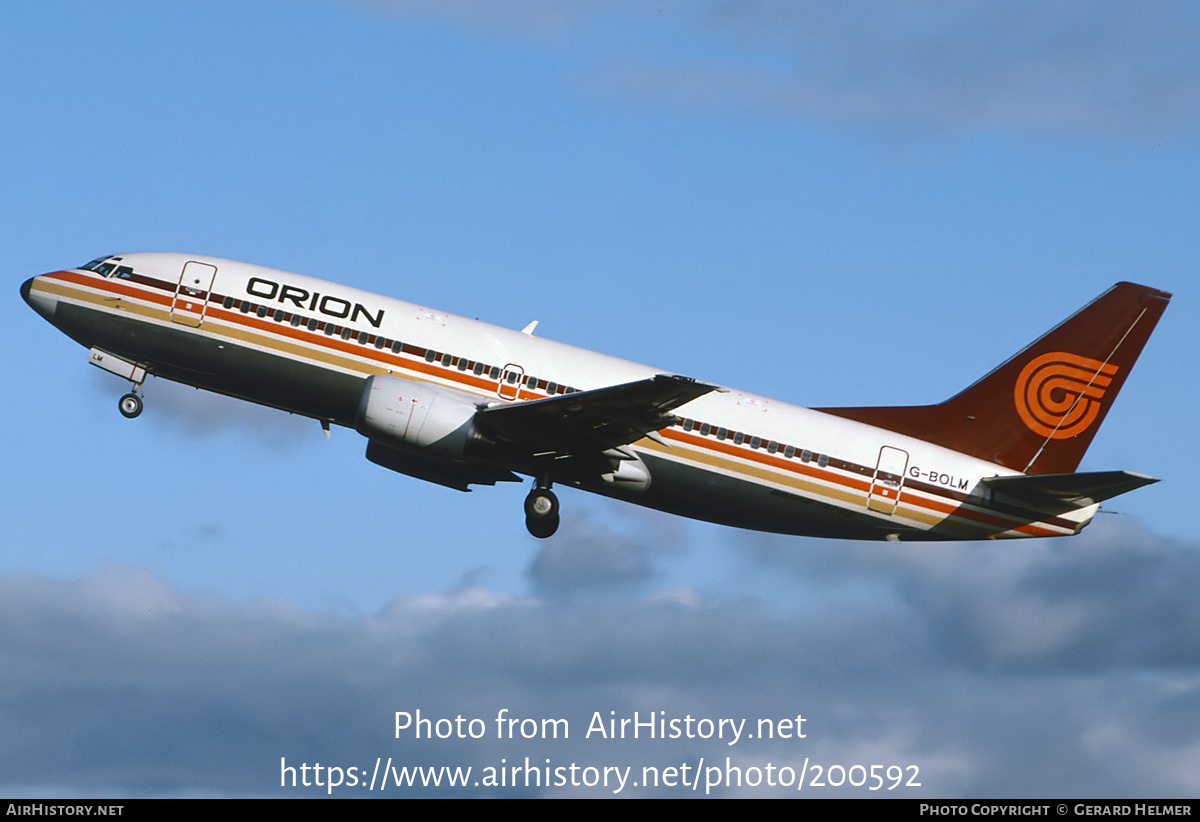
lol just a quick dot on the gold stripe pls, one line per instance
(225, 329)
(215, 328)
(808, 487)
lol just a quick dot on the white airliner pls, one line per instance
(459, 402)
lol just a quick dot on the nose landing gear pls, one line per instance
(541, 511)
(130, 405)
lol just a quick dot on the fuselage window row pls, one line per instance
(705, 429)
(365, 338)
(448, 360)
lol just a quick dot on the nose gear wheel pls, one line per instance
(130, 405)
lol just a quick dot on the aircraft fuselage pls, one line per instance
(309, 347)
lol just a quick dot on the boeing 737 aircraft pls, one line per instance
(459, 402)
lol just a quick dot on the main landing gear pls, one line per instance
(541, 510)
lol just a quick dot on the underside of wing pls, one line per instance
(591, 422)
(457, 474)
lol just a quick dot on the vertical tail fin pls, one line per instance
(1037, 413)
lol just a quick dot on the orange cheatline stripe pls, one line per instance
(238, 324)
(119, 286)
(853, 490)
(977, 517)
(968, 521)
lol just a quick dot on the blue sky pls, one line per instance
(865, 203)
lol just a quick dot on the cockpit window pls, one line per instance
(104, 266)
(93, 264)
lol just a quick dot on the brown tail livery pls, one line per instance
(1037, 413)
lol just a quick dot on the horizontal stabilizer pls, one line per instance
(1066, 492)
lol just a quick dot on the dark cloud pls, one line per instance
(1109, 598)
(587, 559)
(1001, 670)
(587, 555)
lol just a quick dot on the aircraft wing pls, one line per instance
(593, 421)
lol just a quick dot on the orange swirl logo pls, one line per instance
(1058, 394)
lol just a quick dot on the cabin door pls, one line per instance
(509, 387)
(191, 295)
(888, 480)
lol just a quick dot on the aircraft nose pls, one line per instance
(39, 302)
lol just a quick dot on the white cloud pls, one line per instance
(1080, 68)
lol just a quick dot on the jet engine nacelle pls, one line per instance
(436, 421)
(629, 475)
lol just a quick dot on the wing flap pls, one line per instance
(593, 421)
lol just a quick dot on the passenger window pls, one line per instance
(478, 369)
(772, 447)
(397, 347)
(363, 337)
(789, 451)
(823, 460)
(312, 324)
(756, 442)
(278, 315)
(262, 311)
(806, 455)
(346, 332)
(722, 433)
(228, 302)
(739, 438)
(494, 373)
(705, 429)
